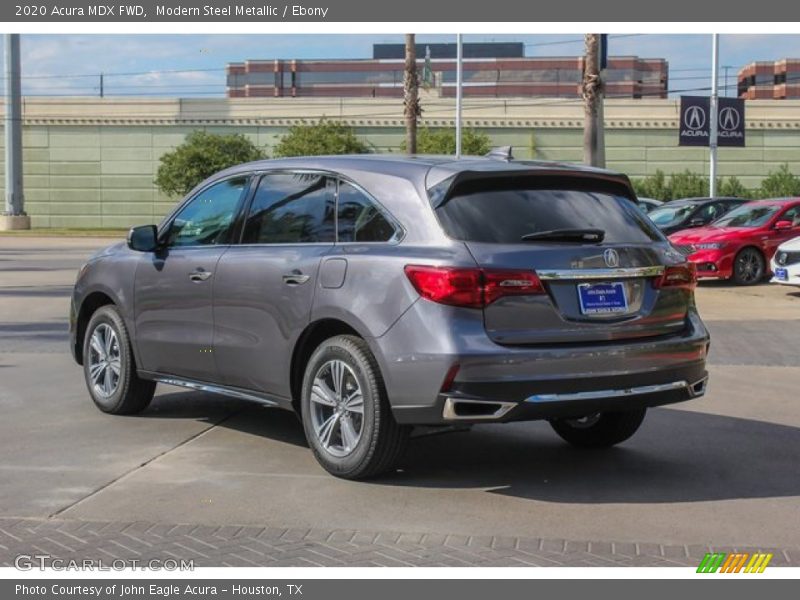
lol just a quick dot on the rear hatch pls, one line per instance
(605, 272)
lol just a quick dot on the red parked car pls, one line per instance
(739, 245)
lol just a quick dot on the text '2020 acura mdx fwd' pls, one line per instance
(373, 293)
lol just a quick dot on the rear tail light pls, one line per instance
(682, 276)
(471, 287)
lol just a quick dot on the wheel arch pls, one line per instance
(88, 307)
(309, 340)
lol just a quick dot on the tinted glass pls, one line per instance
(206, 219)
(503, 211)
(748, 216)
(290, 208)
(360, 220)
(792, 215)
(665, 216)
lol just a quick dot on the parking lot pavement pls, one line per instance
(719, 472)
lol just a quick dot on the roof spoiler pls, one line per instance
(500, 153)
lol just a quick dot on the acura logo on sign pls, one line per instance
(729, 118)
(695, 117)
(611, 257)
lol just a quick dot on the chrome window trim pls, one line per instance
(621, 273)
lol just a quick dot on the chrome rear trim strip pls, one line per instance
(621, 273)
(601, 394)
(214, 389)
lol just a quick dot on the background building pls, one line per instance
(770, 80)
(91, 162)
(490, 69)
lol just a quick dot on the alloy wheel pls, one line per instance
(104, 360)
(337, 408)
(748, 266)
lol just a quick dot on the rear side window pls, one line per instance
(291, 208)
(502, 211)
(360, 219)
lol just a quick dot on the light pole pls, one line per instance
(14, 216)
(713, 125)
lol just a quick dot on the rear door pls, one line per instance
(595, 290)
(265, 285)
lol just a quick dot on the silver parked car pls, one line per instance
(370, 294)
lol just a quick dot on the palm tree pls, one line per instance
(411, 107)
(591, 90)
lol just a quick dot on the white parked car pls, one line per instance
(786, 263)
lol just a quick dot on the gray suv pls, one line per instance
(370, 294)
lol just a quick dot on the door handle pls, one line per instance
(295, 278)
(199, 275)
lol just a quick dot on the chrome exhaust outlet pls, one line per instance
(456, 409)
(698, 388)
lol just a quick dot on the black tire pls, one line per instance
(748, 267)
(381, 441)
(601, 430)
(131, 394)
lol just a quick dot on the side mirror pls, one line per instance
(782, 225)
(143, 238)
(697, 222)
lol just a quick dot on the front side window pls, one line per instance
(206, 218)
(359, 219)
(792, 215)
(291, 208)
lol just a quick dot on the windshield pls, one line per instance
(505, 211)
(748, 216)
(666, 216)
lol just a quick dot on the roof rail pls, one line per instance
(500, 153)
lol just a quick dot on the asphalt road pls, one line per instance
(719, 471)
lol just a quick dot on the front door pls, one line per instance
(174, 285)
(265, 286)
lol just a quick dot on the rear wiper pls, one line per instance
(566, 235)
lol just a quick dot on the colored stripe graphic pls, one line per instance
(711, 562)
(734, 562)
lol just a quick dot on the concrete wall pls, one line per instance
(94, 165)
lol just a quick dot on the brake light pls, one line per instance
(682, 276)
(471, 287)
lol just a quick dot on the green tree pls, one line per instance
(201, 155)
(442, 140)
(318, 139)
(687, 185)
(780, 183)
(653, 186)
(732, 187)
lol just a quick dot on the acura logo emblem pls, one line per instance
(695, 117)
(729, 118)
(611, 257)
(782, 258)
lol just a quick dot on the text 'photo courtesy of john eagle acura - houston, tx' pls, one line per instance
(372, 294)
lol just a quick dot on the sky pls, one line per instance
(194, 65)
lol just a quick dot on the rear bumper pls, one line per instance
(495, 383)
(463, 408)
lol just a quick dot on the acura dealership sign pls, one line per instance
(695, 125)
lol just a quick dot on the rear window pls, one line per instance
(502, 211)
